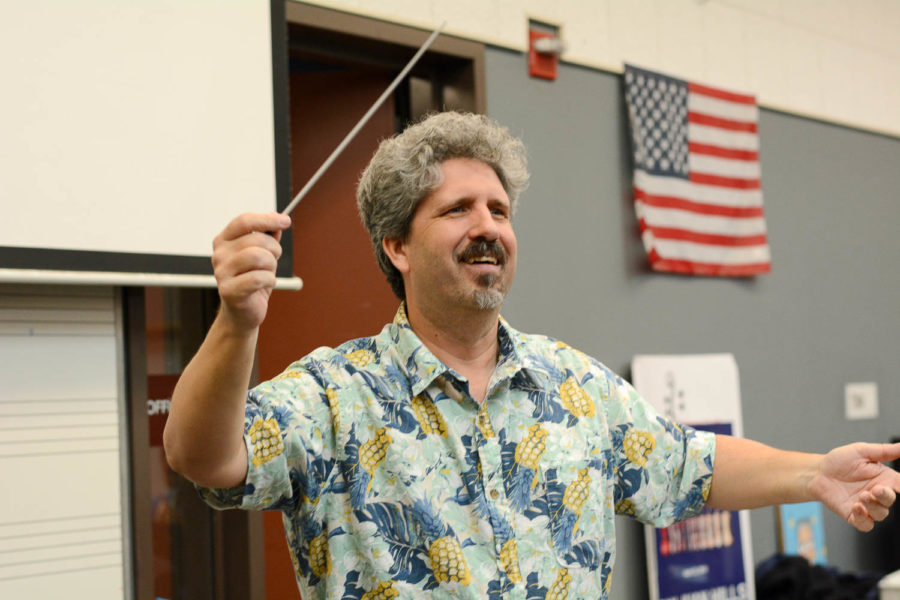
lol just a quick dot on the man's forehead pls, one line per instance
(470, 172)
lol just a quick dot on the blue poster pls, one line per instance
(702, 558)
(803, 532)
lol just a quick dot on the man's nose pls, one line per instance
(484, 224)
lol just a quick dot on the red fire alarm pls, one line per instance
(544, 49)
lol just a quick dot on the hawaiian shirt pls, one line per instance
(395, 483)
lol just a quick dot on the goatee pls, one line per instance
(488, 299)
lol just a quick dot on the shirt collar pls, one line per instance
(423, 367)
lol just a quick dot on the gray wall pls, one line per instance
(826, 315)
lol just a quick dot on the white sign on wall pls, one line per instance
(708, 556)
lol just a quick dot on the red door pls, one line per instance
(344, 293)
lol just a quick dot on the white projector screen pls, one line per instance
(132, 131)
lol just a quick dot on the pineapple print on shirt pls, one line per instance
(574, 398)
(430, 420)
(385, 590)
(524, 468)
(364, 460)
(509, 558)
(265, 437)
(638, 445)
(319, 556)
(566, 503)
(448, 564)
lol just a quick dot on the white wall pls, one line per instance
(836, 60)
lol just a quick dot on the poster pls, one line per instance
(708, 557)
(802, 531)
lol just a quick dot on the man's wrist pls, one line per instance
(232, 325)
(809, 479)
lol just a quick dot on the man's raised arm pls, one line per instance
(850, 480)
(204, 431)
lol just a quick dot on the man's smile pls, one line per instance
(484, 253)
(481, 260)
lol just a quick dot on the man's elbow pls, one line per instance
(172, 449)
(179, 456)
(205, 470)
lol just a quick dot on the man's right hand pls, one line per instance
(204, 432)
(245, 255)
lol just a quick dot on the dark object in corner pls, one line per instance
(888, 531)
(782, 577)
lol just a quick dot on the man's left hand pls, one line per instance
(853, 483)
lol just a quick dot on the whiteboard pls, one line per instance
(61, 421)
(134, 127)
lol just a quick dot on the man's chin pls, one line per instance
(488, 299)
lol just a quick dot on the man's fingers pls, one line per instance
(250, 222)
(880, 452)
(245, 260)
(884, 496)
(877, 512)
(874, 507)
(233, 255)
(251, 240)
(859, 518)
(245, 284)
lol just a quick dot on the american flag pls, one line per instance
(697, 186)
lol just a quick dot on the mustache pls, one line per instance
(478, 248)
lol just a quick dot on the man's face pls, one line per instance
(461, 249)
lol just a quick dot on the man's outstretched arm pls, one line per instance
(850, 480)
(204, 431)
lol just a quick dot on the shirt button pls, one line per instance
(495, 494)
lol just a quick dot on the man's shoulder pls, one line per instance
(545, 345)
(370, 353)
(544, 350)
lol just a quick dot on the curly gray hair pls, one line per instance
(407, 167)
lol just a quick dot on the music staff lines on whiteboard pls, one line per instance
(42, 547)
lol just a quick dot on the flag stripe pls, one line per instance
(661, 185)
(730, 182)
(726, 167)
(705, 253)
(722, 123)
(714, 239)
(713, 150)
(722, 94)
(697, 207)
(738, 140)
(701, 223)
(690, 267)
(747, 113)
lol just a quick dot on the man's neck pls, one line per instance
(466, 341)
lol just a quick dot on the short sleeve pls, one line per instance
(663, 469)
(290, 444)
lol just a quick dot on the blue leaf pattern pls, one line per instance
(397, 525)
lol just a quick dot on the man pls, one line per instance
(452, 455)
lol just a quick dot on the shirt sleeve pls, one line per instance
(290, 445)
(663, 469)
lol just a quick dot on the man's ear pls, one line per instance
(396, 251)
